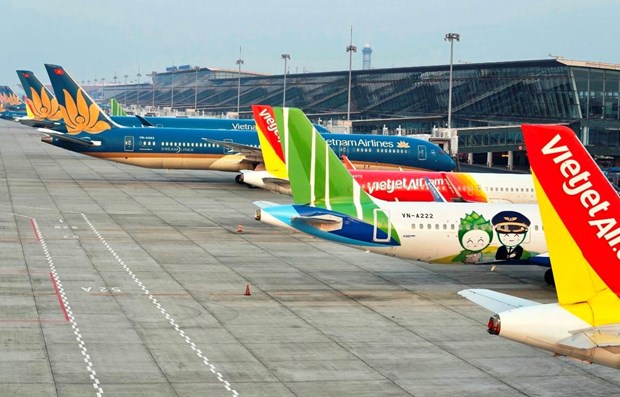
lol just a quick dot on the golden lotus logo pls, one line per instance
(13, 99)
(81, 117)
(1, 108)
(43, 107)
(10, 99)
(402, 145)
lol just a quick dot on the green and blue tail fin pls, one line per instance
(116, 109)
(317, 176)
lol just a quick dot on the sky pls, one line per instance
(101, 39)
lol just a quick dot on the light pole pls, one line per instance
(451, 37)
(153, 86)
(196, 68)
(172, 90)
(286, 57)
(138, 100)
(239, 63)
(350, 49)
(103, 88)
(125, 89)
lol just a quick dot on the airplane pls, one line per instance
(41, 103)
(328, 203)
(391, 185)
(92, 132)
(579, 210)
(11, 107)
(50, 117)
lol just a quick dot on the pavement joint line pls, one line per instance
(68, 312)
(162, 310)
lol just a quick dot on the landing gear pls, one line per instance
(549, 277)
(239, 179)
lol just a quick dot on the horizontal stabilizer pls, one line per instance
(603, 336)
(326, 223)
(68, 138)
(265, 204)
(494, 301)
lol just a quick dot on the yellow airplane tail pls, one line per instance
(579, 209)
(269, 140)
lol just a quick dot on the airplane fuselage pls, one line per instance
(411, 185)
(551, 327)
(191, 149)
(430, 232)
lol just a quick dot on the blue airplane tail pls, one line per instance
(42, 104)
(79, 110)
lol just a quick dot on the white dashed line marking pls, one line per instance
(163, 311)
(65, 302)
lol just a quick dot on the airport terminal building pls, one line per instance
(489, 100)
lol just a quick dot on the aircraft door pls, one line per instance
(381, 222)
(421, 152)
(129, 143)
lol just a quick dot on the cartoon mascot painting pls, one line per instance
(511, 228)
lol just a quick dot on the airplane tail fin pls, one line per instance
(79, 111)
(40, 101)
(269, 139)
(579, 210)
(317, 176)
(116, 109)
(8, 97)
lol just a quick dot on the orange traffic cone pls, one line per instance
(247, 290)
(239, 228)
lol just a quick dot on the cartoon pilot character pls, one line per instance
(511, 228)
(475, 234)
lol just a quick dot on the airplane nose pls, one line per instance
(47, 139)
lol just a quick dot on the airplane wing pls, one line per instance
(67, 138)
(604, 336)
(450, 183)
(252, 153)
(437, 196)
(495, 302)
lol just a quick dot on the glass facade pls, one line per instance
(584, 95)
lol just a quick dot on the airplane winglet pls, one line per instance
(143, 121)
(437, 196)
(347, 163)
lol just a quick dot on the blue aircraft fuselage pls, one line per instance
(194, 149)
